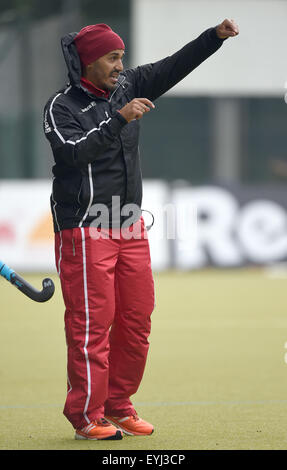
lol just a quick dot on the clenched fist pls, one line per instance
(227, 29)
(136, 108)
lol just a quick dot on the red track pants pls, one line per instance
(108, 291)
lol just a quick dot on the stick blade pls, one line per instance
(34, 294)
(48, 290)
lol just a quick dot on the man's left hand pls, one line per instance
(227, 29)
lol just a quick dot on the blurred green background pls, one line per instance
(32, 69)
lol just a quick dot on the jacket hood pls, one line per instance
(72, 58)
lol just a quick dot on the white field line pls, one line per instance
(164, 404)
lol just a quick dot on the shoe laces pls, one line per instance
(101, 422)
(135, 416)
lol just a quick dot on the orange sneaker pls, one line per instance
(99, 430)
(131, 425)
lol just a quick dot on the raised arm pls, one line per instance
(153, 80)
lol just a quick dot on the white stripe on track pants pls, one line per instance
(108, 290)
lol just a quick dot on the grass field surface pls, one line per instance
(216, 376)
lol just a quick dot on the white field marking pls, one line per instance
(164, 404)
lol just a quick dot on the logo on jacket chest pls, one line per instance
(91, 105)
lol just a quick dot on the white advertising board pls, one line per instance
(235, 227)
(26, 229)
(194, 227)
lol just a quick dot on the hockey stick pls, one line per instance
(39, 296)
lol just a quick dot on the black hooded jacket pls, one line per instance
(95, 150)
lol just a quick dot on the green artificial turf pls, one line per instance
(216, 376)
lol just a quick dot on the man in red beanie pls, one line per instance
(101, 246)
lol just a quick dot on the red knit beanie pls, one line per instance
(96, 40)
